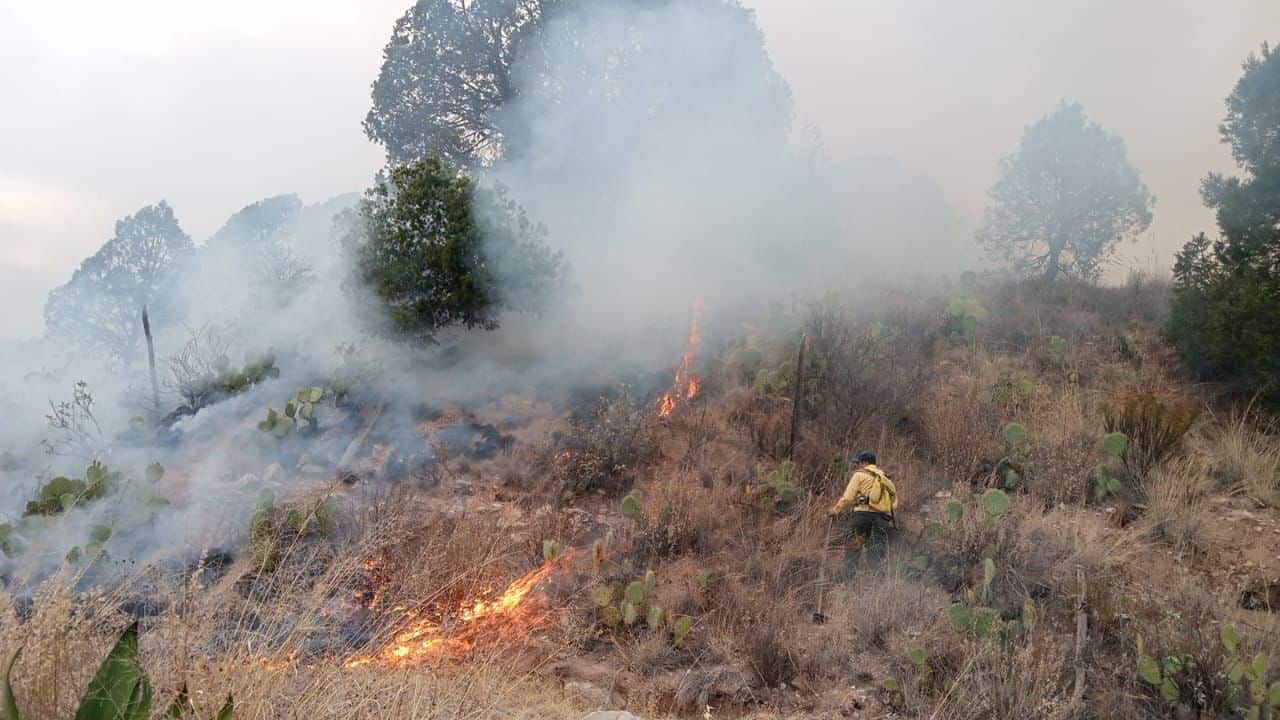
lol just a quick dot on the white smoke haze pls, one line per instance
(665, 167)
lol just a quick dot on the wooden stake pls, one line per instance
(1082, 636)
(151, 360)
(796, 399)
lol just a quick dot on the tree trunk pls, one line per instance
(1051, 272)
(151, 362)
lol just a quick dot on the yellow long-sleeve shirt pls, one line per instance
(881, 494)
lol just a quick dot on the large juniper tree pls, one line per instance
(101, 307)
(1225, 315)
(1064, 199)
(439, 251)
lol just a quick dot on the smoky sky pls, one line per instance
(111, 106)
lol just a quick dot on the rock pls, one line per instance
(611, 715)
(589, 694)
(701, 688)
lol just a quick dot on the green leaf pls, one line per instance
(1014, 434)
(11, 704)
(984, 621)
(630, 613)
(99, 533)
(1229, 637)
(119, 689)
(314, 394)
(550, 550)
(636, 593)
(680, 629)
(955, 511)
(155, 471)
(1273, 694)
(1029, 615)
(1169, 690)
(68, 501)
(960, 616)
(1149, 670)
(656, 617)
(631, 506)
(1173, 664)
(650, 579)
(1115, 443)
(890, 684)
(611, 616)
(290, 409)
(1259, 666)
(988, 572)
(933, 527)
(916, 656)
(996, 502)
(920, 562)
(602, 596)
(227, 708)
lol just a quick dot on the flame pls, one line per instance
(434, 635)
(685, 385)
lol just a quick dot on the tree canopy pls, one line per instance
(1064, 199)
(100, 308)
(439, 251)
(1225, 314)
(445, 72)
(453, 70)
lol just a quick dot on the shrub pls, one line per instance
(440, 252)
(1154, 423)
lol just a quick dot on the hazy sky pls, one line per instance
(107, 107)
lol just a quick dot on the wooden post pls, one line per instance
(151, 361)
(1082, 636)
(796, 398)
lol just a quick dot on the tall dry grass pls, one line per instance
(278, 643)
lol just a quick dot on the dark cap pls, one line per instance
(866, 456)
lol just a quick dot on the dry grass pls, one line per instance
(1240, 456)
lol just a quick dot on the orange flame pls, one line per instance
(685, 386)
(435, 636)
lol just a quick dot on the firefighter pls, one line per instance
(874, 498)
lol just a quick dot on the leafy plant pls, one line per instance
(62, 493)
(1247, 688)
(780, 489)
(1153, 424)
(1105, 481)
(995, 503)
(1161, 673)
(119, 690)
(634, 607)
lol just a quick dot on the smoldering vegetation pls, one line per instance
(551, 415)
(661, 173)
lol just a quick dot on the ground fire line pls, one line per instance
(685, 385)
(489, 619)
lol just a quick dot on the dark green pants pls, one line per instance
(873, 529)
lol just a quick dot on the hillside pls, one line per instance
(1080, 528)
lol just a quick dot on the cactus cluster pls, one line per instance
(922, 671)
(633, 607)
(1016, 456)
(1106, 479)
(119, 690)
(1247, 688)
(300, 409)
(781, 488)
(225, 381)
(63, 493)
